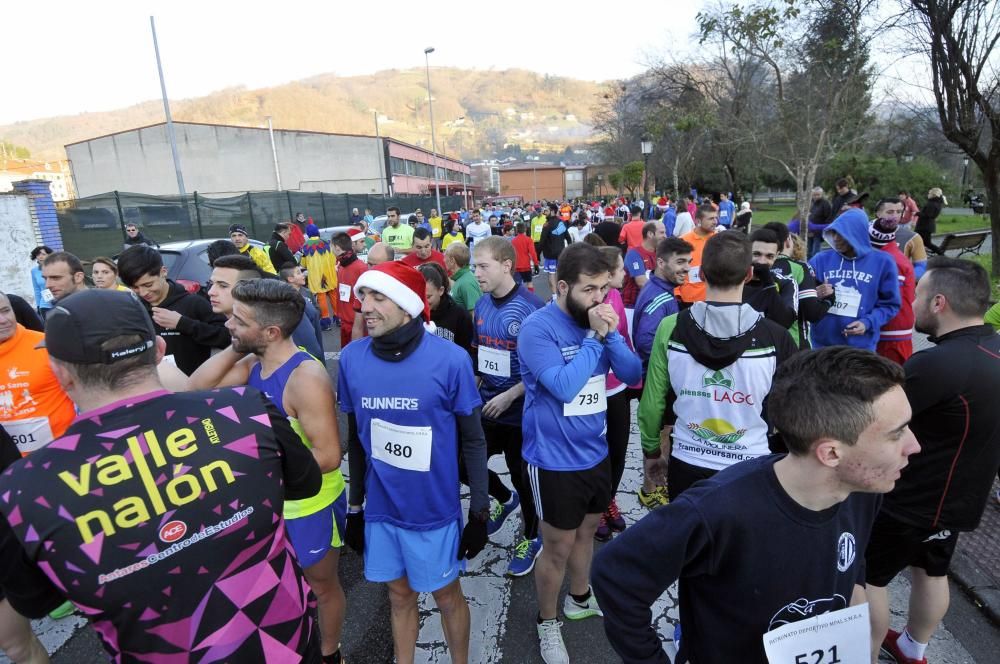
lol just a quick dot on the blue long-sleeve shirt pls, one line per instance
(564, 368)
(38, 285)
(655, 302)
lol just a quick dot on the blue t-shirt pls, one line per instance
(498, 324)
(406, 422)
(727, 212)
(558, 362)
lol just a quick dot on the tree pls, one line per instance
(615, 180)
(961, 39)
(632, 176)
(10, 151)
(818, 78)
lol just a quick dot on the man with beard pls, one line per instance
(952, 388)
(565, 351)
(263, 356)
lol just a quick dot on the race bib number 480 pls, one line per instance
(405, 447)
(837, 637)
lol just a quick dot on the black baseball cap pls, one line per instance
(79, 324)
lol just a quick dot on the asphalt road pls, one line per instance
(503, 610)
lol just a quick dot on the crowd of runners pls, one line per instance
(174, 458)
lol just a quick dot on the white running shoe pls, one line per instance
(550, 642)
(574, 610)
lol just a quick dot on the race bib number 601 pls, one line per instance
(405, 447)
(837, 637)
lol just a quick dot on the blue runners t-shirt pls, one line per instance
(498, 324)
(406, 422)
(565, 401)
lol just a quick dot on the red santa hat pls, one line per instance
(356, 234)
(400, 283)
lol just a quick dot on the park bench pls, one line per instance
(968, 242)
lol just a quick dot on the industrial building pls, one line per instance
(225, 160)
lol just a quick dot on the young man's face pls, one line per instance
(131, 231)
(380, 314)
(239, 239)
(588, 292)
(393, 218)
(708, 222)
(675, 269)
(924, 305)
(297, 277)
(60, 281)
(841, 244)
(358, 246)
(248, 336)
(490, 273)
(152, 288)
(765, 253)
(220, 292)
(422, 248)
(8, 320)
(890, 211)
(875, 461)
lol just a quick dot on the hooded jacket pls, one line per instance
(713, 364)
(554, 238)
(279, 252)
(866, 286)
(198, 331)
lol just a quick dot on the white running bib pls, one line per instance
(408, 448)
(345, 293)
(592, 399)
(494, 361)
(847, 301)
(30, 433)
(837, 637)
(694, 274)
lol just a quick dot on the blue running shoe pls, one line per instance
(524, 557)
(501, 511)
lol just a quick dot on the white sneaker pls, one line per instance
(574, 610)
(550, 642)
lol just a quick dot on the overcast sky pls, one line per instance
(67, 57)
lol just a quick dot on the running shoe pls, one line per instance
(550, 642)
(655, 498)
(603, 532)
(524, 558)
(891, 648)
(614, 516)
(500, 512)
(62, 611)
(574, 610)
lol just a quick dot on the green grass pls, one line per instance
(945, 224)
(986, 260)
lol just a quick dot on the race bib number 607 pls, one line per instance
(837, 637)
(405, 447)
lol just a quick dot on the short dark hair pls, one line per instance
(780, 229)
(519, 228)
(220, 248)
(434, 274)
(136, 262)
(241, 263)
(902, 192)
(282, 226)
(704, 211)
(965, 284)
(288, 270)
(726, 260)
(847, 381)
(107, 262)
(273, 302)
(422, 234)
(888, 200)
(581, 258)
(116, 375)
(767, 236)
(65, 257)
(843, 182)
(669, 246)
(392, 208)
(343, 241)
(39, 249)
(649, 228)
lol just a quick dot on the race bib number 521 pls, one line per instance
(837, 637)
(405, 447)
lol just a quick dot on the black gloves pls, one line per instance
(536, 270)
(354, 536)
(762, 272)
(474, 536)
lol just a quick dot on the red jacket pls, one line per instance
(347, 276)
(296, 240)
(524, 249)
(900, 328)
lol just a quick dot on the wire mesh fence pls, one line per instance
(95, 225)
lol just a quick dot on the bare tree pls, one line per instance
(962, 38)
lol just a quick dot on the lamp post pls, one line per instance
(274, 155)
(647, 149)
(965, 173)
(430, 104)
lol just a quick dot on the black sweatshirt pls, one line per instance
(198, 331)
(953, 390)
(748, 557)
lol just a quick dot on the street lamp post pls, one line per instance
(647, 149)
(965, 173)
(430, 104)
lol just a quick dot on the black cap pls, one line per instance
(238, 228)
(79, 324)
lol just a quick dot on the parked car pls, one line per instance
(187, 262)
(328, 232)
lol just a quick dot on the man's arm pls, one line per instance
(25, 314)
(357, 464)
(225, 369)
(205, 327)
(634, 570)
(259, 257)
(302, 476)
(542, 357)
(655, 389)
(473, 442)
(499, 404)
(310, 399)
(811, 307)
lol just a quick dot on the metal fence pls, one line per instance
(95, 226)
